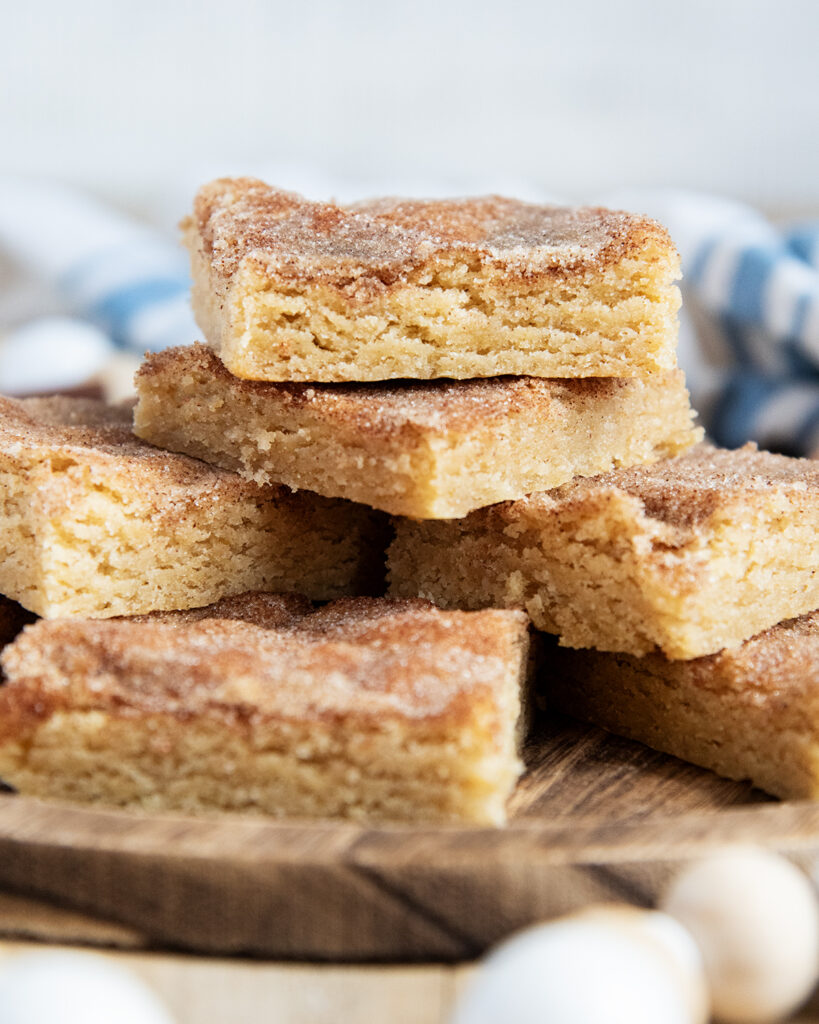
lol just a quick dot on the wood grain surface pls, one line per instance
(594, 818)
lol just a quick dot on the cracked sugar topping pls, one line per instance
(390, 406)
(385, 240)
(61, 431)
(685, 491)
(690, 488)
(781, 661)
(269, 656)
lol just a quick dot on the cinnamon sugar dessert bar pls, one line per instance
(688, 555)
(749, 713)
(287, 289)
(428, 449)
(95, 522)
(365, 708)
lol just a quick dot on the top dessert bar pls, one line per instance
(95, 522)
(688, 555)
(287, 289)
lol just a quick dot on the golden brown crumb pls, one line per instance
(94, 521)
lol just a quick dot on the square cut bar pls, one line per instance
(287, 289)
(688, 555)
(428, 449)
(365, 708)
(95, 522)
(748, 713)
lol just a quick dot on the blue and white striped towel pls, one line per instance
(749, 339)
(761, 288)
(126, 279)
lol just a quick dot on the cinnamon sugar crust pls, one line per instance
(686, 492)
(688, 555)
(97, 522)
(425, 702)
(274, 654)
(288, 289)
(748, 713)
(427, 449)
(391, 407)
(377, 244)
(69, 430)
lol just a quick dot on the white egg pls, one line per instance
(74, 988)
(755, 917)
(50, 353)
(606, 965)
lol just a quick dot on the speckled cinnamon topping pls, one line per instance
(75, 414)
(389, 406)
(778, 662)
(265, 656)
(786, 656)
(267, 611)
(687, 490)
(66, 429)
(386, 239)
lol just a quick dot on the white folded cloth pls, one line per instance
(123, 280)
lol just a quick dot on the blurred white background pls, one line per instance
(141, 101)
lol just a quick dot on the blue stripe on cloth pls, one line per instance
(735, 338)
(746, 301)
(800, 319)
(116, 310)
(805, 437)
(736, 410)
(800, 315)
(801, 359)
(796, 363)
(694, 273)
(803, 242)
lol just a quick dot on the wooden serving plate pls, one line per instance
(594, 818)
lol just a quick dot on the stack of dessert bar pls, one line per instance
(491, 387)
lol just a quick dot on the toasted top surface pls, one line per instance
(686, 491)
(61, 431)
(385, 407)
(382, 241)
(266, 656)
(782, 659)
(775, 664)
